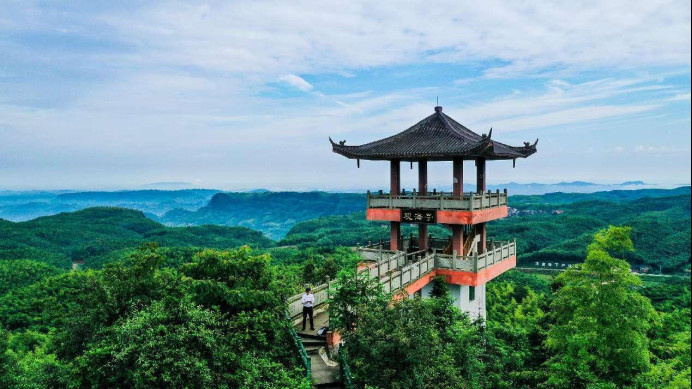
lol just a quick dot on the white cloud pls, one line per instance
(296, 82)
(300, 37)
(661, 149)
(681, 97)
(177, 88)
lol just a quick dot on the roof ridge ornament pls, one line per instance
(528, 145)
(438, 109)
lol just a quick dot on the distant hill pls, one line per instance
(168, 185)
(21, 206)
(273, 213)
(537, 201)
(94, 233)
(566, 187)
(633, 183)
(660, 221)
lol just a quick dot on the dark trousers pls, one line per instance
(307, 311)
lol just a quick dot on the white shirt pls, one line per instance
(308, 300)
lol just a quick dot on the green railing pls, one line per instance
(302, 352)
(345, 370)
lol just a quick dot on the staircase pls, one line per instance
(448, 249)
(325, 373)
(470, 240)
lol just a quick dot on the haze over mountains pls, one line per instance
(273, 213)
(555, 227)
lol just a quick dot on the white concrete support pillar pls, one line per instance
(462, 294)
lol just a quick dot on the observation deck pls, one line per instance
(437, 207)
(389, 260)
(398, 270)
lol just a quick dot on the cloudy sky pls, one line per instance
(237, 95)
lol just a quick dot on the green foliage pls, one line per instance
(439, 288)
(309, 273)
(169, 344)
(218, 321)
(22, 272)
(427, 343)
(352, 292)
(599, 336)
(94, 234)
(516, 330)
(234, 281)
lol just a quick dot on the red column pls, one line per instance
(422, 191)
(481, 188)
(394, 188)
(458, 238)
(458, 171)
(480, 175)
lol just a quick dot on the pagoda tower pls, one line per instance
(471, 259)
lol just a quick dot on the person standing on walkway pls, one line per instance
(308, 301)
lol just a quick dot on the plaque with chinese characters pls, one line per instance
(418, 216)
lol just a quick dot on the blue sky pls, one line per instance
(238, 95)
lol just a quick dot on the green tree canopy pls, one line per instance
(599, 336)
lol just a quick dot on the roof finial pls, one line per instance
(437, 104)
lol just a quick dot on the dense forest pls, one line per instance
(188, 306)
(217, 320)
(596, 325)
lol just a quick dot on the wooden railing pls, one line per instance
(440, 201)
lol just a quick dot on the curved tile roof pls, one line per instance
(437, 137)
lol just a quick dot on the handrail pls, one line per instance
(415, 254)
(442, 201)
(294, 305)
(436, 194)
(345, 369)
(307, 363)
(465, 196)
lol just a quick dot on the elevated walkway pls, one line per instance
(402, 275)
